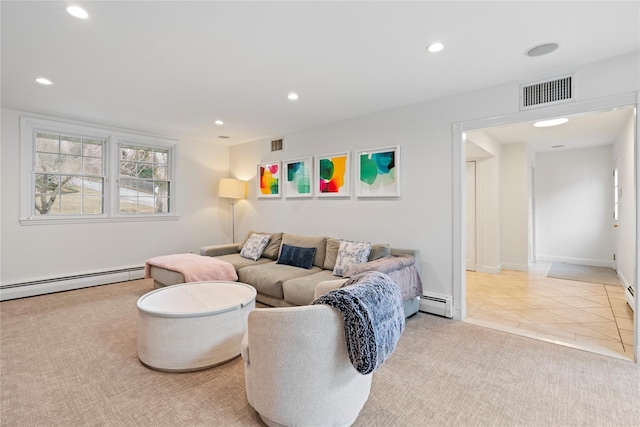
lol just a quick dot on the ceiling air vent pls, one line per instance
(548, 92)
(276, 145)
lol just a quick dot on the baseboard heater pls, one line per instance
(440, 305)
(630, 295)
(66, 283)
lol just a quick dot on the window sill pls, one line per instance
(99, 220)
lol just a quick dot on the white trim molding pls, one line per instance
(113, 136)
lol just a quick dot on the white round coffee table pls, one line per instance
(193, 326)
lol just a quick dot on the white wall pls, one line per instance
(574, 206)
(423, 217)
(488, 254)
(514, 206)
(623, 149)
(44, 251)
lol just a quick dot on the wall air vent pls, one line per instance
(548, 92)
(276, 145)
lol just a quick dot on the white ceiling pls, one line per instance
(581, 131)
(172, 68)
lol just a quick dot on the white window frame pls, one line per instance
(114, 137)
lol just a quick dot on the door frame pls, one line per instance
(459, 183)
(614, 168)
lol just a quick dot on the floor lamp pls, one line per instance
(233, 189)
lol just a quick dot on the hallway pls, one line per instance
(588, 316)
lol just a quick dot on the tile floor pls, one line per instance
(588, 316)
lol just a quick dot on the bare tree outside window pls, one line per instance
(144, 185)
(69, 174)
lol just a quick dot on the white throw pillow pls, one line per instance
(350, 254)
(254, 246)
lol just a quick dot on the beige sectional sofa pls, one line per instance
(281, 285)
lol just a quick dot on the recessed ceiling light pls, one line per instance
(44, 81)
(552, 122)
(541, 49)
(293, 96)
(219, 122)
(435, 47)
(78, 12)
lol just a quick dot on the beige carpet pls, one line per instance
(583, 273)
(69, 359)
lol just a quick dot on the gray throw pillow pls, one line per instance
(254, 246)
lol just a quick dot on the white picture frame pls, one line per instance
(378, 172)
(297, 178)
(333, 175)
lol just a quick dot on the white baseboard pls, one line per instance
(49, 285)
(489, 269)
(515, 267)
(579, 261)
(623, 280)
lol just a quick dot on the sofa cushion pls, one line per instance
(273, 247)
(166, 277)
(297, 257)
(332, 252)
(320, 243)
(301, 291)
(268, 278)
(239, 262)
(379, 250)
(349, 254)
(254, 246)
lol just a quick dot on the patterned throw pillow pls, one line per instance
(350, 254)
(254, 246)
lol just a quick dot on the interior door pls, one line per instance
(471, 216)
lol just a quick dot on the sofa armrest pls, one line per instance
(217, 250)
(415, 253)
(326, 286)
(383, 265)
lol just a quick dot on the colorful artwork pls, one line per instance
(333, 171)
(298, 182)
(269, 179)
(378, 172)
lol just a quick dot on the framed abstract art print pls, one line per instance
(333, 175)
(378, 172)
(268, 179)
(297, 178)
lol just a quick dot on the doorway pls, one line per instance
(539, 267)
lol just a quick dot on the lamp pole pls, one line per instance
(232, 206)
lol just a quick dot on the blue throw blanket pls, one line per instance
(371, 306)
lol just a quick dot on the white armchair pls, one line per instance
(297, 369)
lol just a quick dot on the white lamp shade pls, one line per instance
(232, 188)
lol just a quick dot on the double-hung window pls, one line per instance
(77, 173)
(144, 186)
(69, 174)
